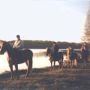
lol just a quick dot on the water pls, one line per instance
(39, 61)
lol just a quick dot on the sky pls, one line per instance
(53, 20)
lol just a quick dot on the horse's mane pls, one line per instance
(7, 44)
(7, 47)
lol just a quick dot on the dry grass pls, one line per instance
(44, 79)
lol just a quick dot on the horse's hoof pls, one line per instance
(11, 78)
(17, 77)
(27, 77)
(50, 69)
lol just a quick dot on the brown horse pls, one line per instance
(84, 55)
(53, 57)
(16, 57)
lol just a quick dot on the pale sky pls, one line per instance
(55, 20)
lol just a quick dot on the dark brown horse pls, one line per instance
(17, 57)
(84, 55)
(53, 57)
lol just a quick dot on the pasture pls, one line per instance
(44, 79)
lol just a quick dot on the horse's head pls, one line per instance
(5, 47)
(2, 47)
(48, 51)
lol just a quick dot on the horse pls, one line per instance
(72, 56)
(84, 55)
(16, 57)
(53, 57)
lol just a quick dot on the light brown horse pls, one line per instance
(72, 56)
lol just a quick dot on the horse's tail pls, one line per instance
(30, 63)
(31, 55)
(30, 60)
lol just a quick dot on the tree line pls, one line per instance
(39, 44)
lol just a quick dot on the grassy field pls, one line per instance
(44, 79)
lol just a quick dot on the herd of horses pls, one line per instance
(16, 57)
(81, 57)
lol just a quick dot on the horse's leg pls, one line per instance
(85, 62)
(82, 64)
(16, 67)
(27, 63)
(71, 64)
(60, 64)
(29, 70)
(75, 62)
(10, 64)
(54, 65)
(51, 64)
(11, 69)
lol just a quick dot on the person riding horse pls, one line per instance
(55, 55)
(84, 52)
(16, 56)
(71, 56)
(55, 50)
(18, 43)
